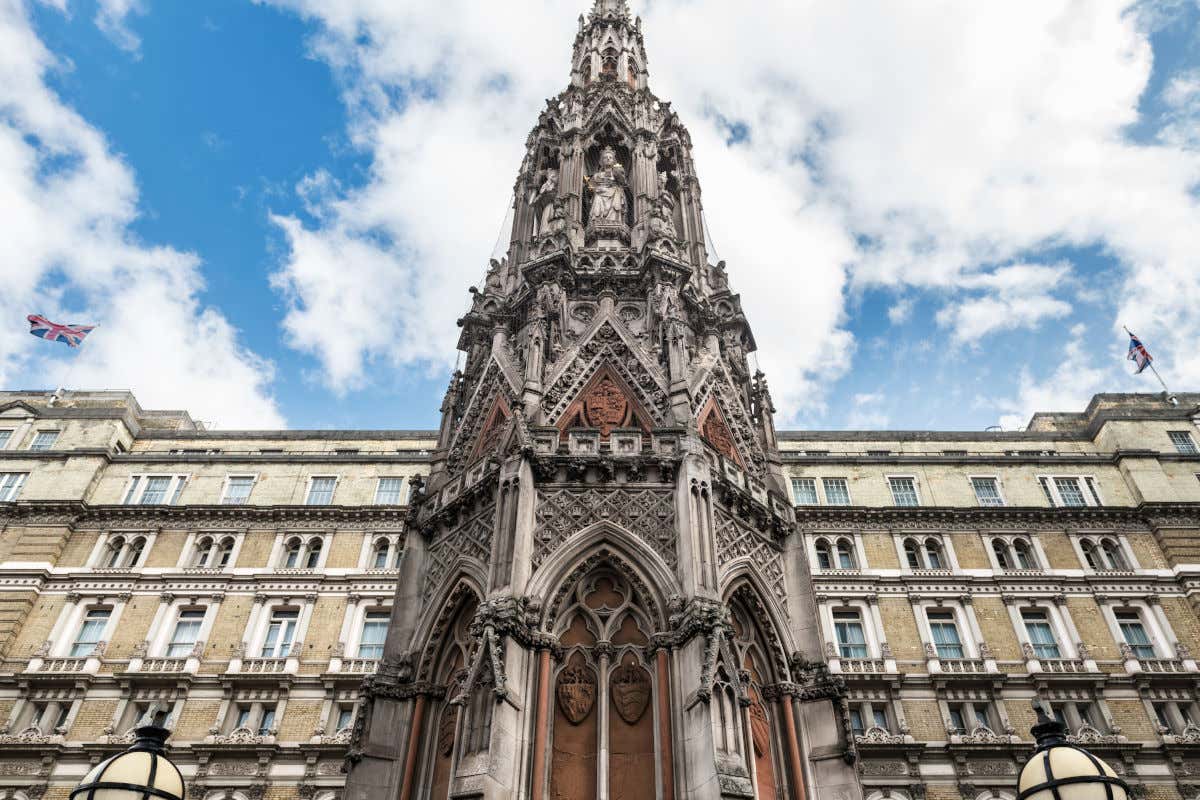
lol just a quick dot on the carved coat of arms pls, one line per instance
(631, 692)
(606, 406)
(576, 693)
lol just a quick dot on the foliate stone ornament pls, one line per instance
(576, 692)
(631, 692)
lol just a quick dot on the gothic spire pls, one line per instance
(611, 8)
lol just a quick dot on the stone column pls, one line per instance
(414, 744)
(605, 651)
(665, 744)
(541, 726)
(795, 764)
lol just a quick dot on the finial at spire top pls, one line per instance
(605, 8)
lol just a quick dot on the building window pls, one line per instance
(300, 555)
(44, 440)
(154, 490)
(343, 718)
(124, 553)
(868, 715)
(845, 554)
(837, 491)
(1177, 717)
(934, 555)
(824, 554)
(1071, 491)
(320, 491)
(904, 492)
(805, 491)
(237, 490)
(1041, 634)
(266, 725)
(1184, 443)
(387, 493)
(944, 631)
(987, 492)
(91, 632)
(5, 436)
(49, 717)
(1013, 554)
(379, 556)
(213, 554)
(1134, 633)
(186, 633)
(374, 632)
(281, 631)
(851, 638)
(10, 485)
(1104, 555)
(966, 718)
(1077, 716)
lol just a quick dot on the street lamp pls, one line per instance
(143, 772)
(1058, 770)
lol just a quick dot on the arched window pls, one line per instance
(1000, 548)
(933, 551)
(1090, 555)
(204, 549)
(379, 559)
(824, 556)
(135, 551)
(608, 65)
(291, 556)
(845, 552)
(312, 555)
(225, 552)
(1112, 555)
(912, 554)
(1024, 554)
(116, 548)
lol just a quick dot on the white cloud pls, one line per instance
(67, 252)
(910, 145)
(867, 413)
(1016, 296)
(901, 310)
(112, 17)
(1069, 388)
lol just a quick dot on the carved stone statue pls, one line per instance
(542, 201)
(662, 219)
(608, 191)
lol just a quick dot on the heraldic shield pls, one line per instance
(576, 693)
(631, 692)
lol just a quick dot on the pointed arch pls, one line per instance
(441, 614)
(745, 586)
(717, 433)
(623, 550)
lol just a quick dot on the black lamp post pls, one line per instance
(1059, 770)
(143, 772)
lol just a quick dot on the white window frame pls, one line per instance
(1190, 443)
(999, 489)
(229, 479)
(99, 558)
(173, 628)
(916, 482)
(395, 549)
(866, 617)
(1160, 639)
(379, 485)
(1010, 541)
(362, 629)
(33, 443)
(921, 538)
(312, 479)
(191, 548)
(825, 494)
(11, 484)
(78, 627)
(306, 541)
(7, 440)
(833, 537)
(1096, 538)
(1085, 489)
(1057, 630)
(269, 615)
(135, 488)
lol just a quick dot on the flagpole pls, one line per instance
(1161, 382)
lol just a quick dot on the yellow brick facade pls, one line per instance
(167, 548)
(997, 628)
(92, 718)
(300, 720)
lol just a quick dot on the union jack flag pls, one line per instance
(71, 335)
(1139, 355)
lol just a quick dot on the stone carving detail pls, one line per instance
(718, 391)
(605, 406)
(716, 431)
(607, 347)
(878, 768)
(984, 735)
(493, 431)
(647, 513)
(472, 539)
(760, 728)
(576, 693)
(734, 541)
(878, 736)
(20, 768)
(1087, 735)
(233, 768)
(631, 692)
(993, 768)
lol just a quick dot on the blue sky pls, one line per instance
(939, 217)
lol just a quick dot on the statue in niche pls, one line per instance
(542, 201)
(608, 191)
(662, 220)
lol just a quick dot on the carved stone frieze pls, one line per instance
(472, 539)
(647, 513)
(735, 541)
